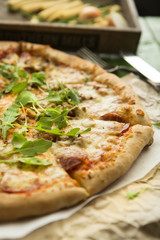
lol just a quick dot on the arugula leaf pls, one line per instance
(132, 195)
(45, 122)
(13, 73)
(6, 70)
(38, 78)
(33, 148)
(25, 97)
(55, 131)
(72, 132)
(73, 96)
(75, 131)
(10, 86)
(18, 140)
(58, 117)
(157, 125)
(10, 116)
(69, 95)
(85, 131)
(28, 160)
(20, 86)
(53, 98)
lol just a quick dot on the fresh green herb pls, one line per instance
(45, 122)
(10, 116)
(33, 148)
(18, 140)
(69, 95)
(132, 195)
(86, 77)
(27, 160)
(57, 116)
(13, 73)
(38, 78)
(157, 125)
(72, 96)
(7, 70)
(85, 131)
(19, 87)
(56, 131)
(55, 98)
(73, 132)
(25, 97)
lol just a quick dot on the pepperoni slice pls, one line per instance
(70, 159)
(125, 128)
(112, 117)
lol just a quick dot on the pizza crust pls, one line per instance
(15, 206)
(96, 179)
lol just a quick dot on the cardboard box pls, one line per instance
(67, 37)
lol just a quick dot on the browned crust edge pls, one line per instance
(15, 206)
(96, 180)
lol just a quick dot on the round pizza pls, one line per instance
(68, 129)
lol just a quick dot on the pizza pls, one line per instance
(68, 129)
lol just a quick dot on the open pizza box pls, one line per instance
(125, 210)
(71, 37)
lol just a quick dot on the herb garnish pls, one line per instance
(157, 125)
(132, 195)
(57, 115)
(27, 160)
(38, 78)
(13, 73)
(10, 116)
(31, 148)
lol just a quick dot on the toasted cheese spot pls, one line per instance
(140, 112)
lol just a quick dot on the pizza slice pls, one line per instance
(102, 155)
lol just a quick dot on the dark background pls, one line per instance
(148, 7)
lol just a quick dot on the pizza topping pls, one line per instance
(71, 158)
(112, 116)
(10, 116)
(33, 148)
(10, 182)
(124, 128)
